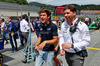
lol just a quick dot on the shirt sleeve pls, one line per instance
(12, 26)
(2, 25)
(18, 25)
(54, 30)
(35, 24)
(27, 26)
(61, 38)
(85, 36)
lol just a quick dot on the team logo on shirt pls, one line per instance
(64, 31)
(41, 29)
(48, 28)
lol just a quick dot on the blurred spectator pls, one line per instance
(19, 32)
(37, 23)
(12, 34)
(3, 30)
(63, 20)
(24, 28)
(87, 21)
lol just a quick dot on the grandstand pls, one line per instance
(15, 10)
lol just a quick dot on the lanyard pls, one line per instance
(73, 44)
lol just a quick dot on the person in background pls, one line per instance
(87, 20)
(19, 31)
(63, 19)
(56, 49)
(56, 60)
(73, 37)
(24, 28)
(3, 30)
(12, 34)
(37, 23)
(47, 38)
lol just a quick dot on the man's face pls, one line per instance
(44, 18)
(8, 19)
(26, 18)
(69, 15)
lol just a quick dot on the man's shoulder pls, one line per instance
(82, 25)
(53, 25)
(23, 21)
(11, 21)
(37, 21)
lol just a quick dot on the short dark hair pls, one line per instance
(23, 16)
(9, 17)
(71, 7)
(3, 20)
(18, 18)
(45, 10)
(37, 17)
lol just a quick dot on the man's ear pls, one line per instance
(49, 16)
(74, 13)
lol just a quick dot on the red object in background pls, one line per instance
(60, 9)
(32, 26)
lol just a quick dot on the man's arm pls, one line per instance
(56, 48)
(53, 41)
(85, 39)
(38, 41)
(27, 26)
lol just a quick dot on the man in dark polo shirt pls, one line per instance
(47, 38)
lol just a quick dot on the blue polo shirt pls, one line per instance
(18, 25)
(36, 24)
(47, 34)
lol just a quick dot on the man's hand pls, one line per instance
(66, 46)
(62, 52)
(55, 49)
(38, 25)
(41, 46)
(1, 29)
(36, 47)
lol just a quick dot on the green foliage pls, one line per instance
(78, 7)
(15, 1)
(87, 7)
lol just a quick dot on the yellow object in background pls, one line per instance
(12, 33)
(1, 59)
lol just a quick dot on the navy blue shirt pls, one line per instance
(12, 26)
(47, 34)
(36, 24)
(18, 25)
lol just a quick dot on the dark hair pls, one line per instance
(37, 17)
(71, 7)
(18, 18)
(23, 16)
(9, 17)
(3, 20)
(45, 10)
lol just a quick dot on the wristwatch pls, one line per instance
(72, 46)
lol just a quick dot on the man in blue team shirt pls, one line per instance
(18, 29)
(47, 38)
(37, 23)
(12, 33)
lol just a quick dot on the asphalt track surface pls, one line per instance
(14, 59)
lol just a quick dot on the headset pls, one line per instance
(45, 26)
(73, 28)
